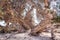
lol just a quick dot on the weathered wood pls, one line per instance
(13, 15)
(44, 23)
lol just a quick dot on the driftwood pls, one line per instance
(12, 14)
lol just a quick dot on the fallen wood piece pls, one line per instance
(44, 23)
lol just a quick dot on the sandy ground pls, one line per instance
(25, 36)
(21, 36)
